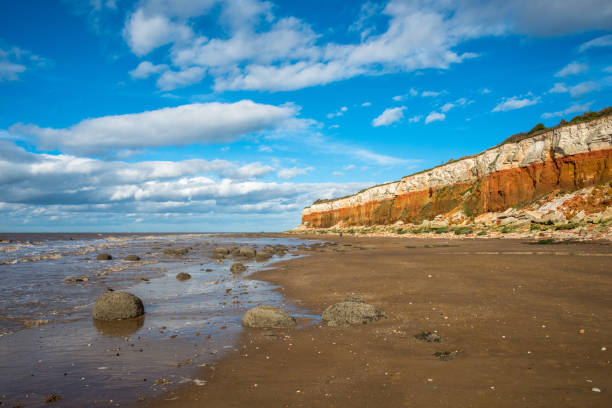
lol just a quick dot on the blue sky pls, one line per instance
(232, 115)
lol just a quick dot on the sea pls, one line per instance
(52, 348)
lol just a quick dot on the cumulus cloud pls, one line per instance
(576, 108)
(389, 116)
(75, 189)
(194, 123)
(145, 69)
(293, 172)
(572, 68)
(516, 102)
(434, 116)
(144, 33)
(603, 41)
(559, 87)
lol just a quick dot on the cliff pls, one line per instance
(518, 172)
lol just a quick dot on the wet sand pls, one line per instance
(531, 324)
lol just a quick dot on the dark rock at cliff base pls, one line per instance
(263, 256)
(132, 258)
(104, 257)
(237, 267)
(267, 317)
(183, 276)
(347, 313)
(117, 305)
(429, 337)
(247, 252)
(176, 251)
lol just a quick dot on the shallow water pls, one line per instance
(50, 345)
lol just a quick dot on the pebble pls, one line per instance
(603, 349)
(595, 389)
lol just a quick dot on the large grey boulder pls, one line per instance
(352, 310)
(237, 267)
(267, 317)
(117, 305)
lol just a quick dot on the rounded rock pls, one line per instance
(183, 276)
(132, 258)
(117, 305)
(237, 267)
(268, 317)
(104, 257)
(348, 313)
(247, 252)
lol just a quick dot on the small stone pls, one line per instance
(237, 267)
(595, 389)
(581, 331)
(104, 257)
(132, 258)
(52, 398)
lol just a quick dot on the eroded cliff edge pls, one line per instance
(570, 157)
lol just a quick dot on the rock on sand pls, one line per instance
(352, 310)
(104, 257)
(132, 258)
(237, 267)
(267, 317)
(183, 276)
(117, 305)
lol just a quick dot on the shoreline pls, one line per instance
(529, 326)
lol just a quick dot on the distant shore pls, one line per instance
(525, 324)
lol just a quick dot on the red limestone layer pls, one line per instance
(566, 158)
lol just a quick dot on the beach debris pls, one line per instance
(117, 305)
(132, 258)
(446, 355)
(34, 323)
(268, 317)
(237, 267)
(430, 337)
(350, 312)
(104, 257)
(183, 276)
(52, 398)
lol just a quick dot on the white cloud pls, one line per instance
(259, 51)
(15, 61)
(558, 88)
(572, 68)
(337, 173)
(265, 149)
(389, 116)
(195, 123)
(349, 167)
(170, 80)
(145, 69)
(603, 41)
(434, 116)
(572, 109)
(293, 172)
(144, 33)
(583, 88)
(431, 94)
(338, 113)
(366, 104)
(485, 91)
(516, 102)
(415, 119)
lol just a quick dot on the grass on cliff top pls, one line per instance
(535, 131)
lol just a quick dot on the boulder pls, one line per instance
(104, 257)
(176, 251)
(117, 305)
(237, 267)
(263, 256)
(247, 252)
(222, 251)
(132, 258)
(351, 312)
(553, 217)
(267, 317)
(183, 276)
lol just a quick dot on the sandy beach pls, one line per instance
(526, 325)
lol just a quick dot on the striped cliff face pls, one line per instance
(566, 158)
